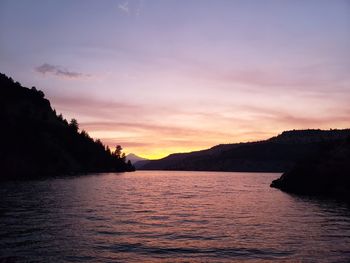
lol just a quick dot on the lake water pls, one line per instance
(160, 216)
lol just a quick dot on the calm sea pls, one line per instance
(161, 216)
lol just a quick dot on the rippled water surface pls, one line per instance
(168, 217)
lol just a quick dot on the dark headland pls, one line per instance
(325, 173)
(35, 141)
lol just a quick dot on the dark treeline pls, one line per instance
(35, 141)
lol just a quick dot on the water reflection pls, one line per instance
(168, 216)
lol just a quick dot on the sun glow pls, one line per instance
(171, 80)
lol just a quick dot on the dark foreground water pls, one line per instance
(168, 217)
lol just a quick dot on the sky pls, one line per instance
(165, 76)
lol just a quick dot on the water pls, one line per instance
(168, 217)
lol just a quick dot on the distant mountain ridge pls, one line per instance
(277, 154)
(133, 158)
(136, 161)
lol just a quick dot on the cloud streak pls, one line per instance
(124, 7)
(318, 78)
(153, 140)
(131, 7)
(157, 130)
(139, 7)
(58, 71)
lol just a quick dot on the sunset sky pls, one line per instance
(164, 76)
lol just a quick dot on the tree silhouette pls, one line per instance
(118, 151)
(74, 125)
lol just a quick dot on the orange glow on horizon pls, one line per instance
(181, 77)
(161, 153)
(159, 145)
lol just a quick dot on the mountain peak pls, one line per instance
(134, 158)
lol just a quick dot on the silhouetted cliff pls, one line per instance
(35, 141)
(327, 172)
(277, 154)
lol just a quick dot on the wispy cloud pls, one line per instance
(303, 78)
(139, 7)
(130, 7)
(58, 71)
(152, 139)
(124, 7)
(94, 108)
(150, 129)
(155, 130)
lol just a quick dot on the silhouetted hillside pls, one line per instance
(277, 154)
(35, 141)
(326, 172)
